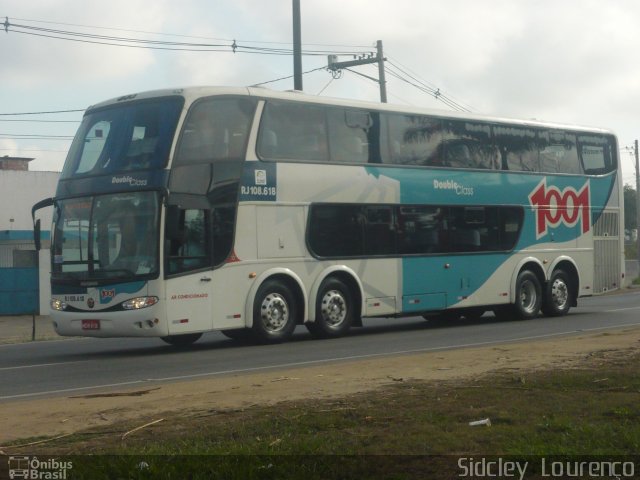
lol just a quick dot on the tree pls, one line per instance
(629, 208)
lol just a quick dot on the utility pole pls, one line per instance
(637, 202)
(297, 47)
(334, 65)
(381, 77)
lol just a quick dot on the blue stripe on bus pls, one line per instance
(448, 279)
(436, 282)
(447, 187)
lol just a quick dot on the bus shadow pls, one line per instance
(216, 341)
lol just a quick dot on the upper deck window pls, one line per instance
(558, 153)
(216, 129)
(309, 132)
(131, 136)
(294, 131)
(467, 144)
(413, 139)
(318, 133)
(597, 153)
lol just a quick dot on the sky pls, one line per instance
(567, 61)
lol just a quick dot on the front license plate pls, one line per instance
(91, 324)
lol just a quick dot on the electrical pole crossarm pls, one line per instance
(333, 65)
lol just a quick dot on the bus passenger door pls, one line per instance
(188, 270)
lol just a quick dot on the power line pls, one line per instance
(325, 87)
(231, 46)
(436, 93)
(186, 36)
(32, 150)
(82, 110)
(428, 88)
(394, 69)
(286, 78)
(34, 120)
(44, 136)
(41, 113)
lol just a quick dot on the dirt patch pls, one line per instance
(58, 416)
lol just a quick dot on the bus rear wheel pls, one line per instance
(334, 310)
(274, 313)
(528, 295)
(182, 340)
(558, 295)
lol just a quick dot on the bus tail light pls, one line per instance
(139, 302)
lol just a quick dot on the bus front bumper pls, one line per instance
(142, 323)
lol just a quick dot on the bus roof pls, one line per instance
(193, 93)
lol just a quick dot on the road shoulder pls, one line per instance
(56, 416)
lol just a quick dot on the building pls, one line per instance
(14, 163)
(24, 287)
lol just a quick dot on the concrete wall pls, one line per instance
(19, 191)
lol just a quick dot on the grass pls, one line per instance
(404, 430)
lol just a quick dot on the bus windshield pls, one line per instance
(106, 237)
(133, 136)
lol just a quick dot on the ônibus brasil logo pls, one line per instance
(555, 206)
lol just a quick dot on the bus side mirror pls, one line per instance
(47, 202)
(36, 235)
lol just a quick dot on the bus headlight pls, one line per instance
(57, 304)
(139, 302)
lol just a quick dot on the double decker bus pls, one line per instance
(251, 211)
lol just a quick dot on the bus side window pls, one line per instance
(422, 229)
(336, 230)
(292, 131)
(380, 231)
(468, 145)
(518, 148)
(558, 153)
(348, 135)
(186, 240)
(596, 152)
(413, 140)
(511, 219)
(223, 220)
(216, 129)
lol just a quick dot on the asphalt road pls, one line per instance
(61, 367)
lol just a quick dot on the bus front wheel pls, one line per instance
(182, 340)
(334, 310)
(558, 295)
(274, 313)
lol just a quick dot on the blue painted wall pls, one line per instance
(19, 293)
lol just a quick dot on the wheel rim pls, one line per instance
(559, 293)
(274, 312)
(528, 297)
(333, 308)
